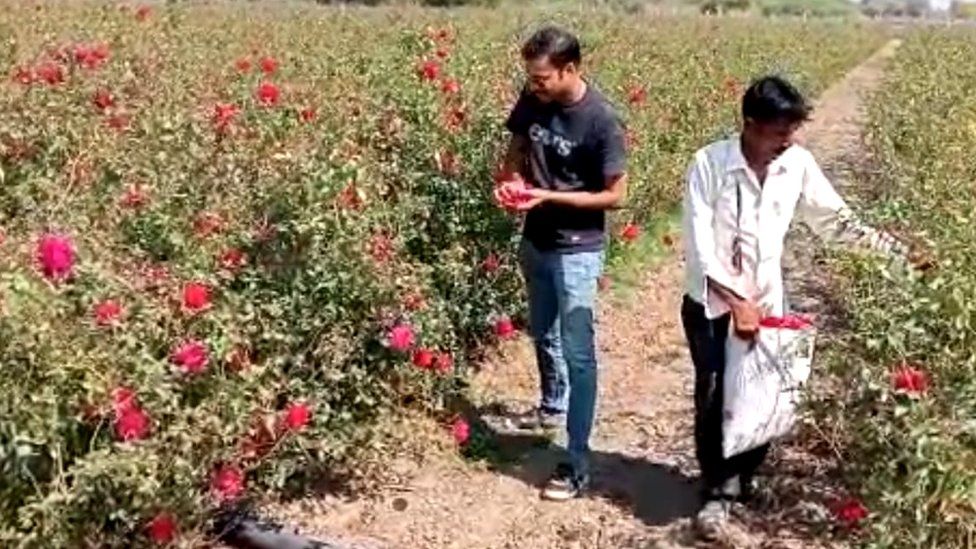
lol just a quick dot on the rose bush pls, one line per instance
(903, 418)
(232, 235)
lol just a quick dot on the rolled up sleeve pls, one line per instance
(823, 210)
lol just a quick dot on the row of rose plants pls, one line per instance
(232, 236)
(901, 417)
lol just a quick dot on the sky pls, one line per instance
(935, 4)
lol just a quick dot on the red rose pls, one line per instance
(56, 256)
(444, 362)
(118, 122)
(232, 260)
(191, 357)
(103, 100)
(269, 65)
(909, 380)
(442, 53)
(637, 95)
(380, 247)
(23, 76)
(455, 119)
(450, 86)
(154, 276)
(206, 224)
(850, 512)
(81, 53)
(423, 358)
(243, 65)
(50, 73)
(461, 431)
(134, 197)
(512, 193)
(297, 416)
(630, 232)
(307, 115)
(268, 94)
(100, 51)
(224, 114)
(401, 337)
(123, 399)
(429, 70)
(162, 528)
(227, 483)
(349, 198)
(131, 423)
(491, 263)
(107, 312)
(91, 57)
(196, 297)
(504, 328)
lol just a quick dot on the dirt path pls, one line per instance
(644, 470)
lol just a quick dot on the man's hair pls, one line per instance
(558, 45)
(772, 99)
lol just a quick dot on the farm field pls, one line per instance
(238, 242)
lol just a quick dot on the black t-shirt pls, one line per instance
(572, 148)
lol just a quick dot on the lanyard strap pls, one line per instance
(738, 208)
(737, 240)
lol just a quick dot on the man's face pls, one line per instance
(547, 82)
(771, 139)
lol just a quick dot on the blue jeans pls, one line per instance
(562, 290)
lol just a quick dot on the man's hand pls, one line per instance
(512, 192)
(746, 315)
(530, 198)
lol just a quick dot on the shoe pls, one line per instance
(539, 418)
(565, 484)
(711, 520)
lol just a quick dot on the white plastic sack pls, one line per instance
(763, 382)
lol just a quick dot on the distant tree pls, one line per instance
(718, 7)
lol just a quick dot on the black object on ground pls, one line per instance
(244, 530)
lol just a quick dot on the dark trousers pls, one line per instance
(723, 478)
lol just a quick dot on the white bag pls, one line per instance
(763, 382)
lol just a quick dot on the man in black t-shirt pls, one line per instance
(568, 146)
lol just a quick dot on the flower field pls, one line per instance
(907, 421)
(230, 236)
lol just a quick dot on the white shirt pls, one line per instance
(795, 185)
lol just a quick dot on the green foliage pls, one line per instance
(914, 456)
(372, 209)
(811, 8)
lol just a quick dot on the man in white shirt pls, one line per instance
(740, 197)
